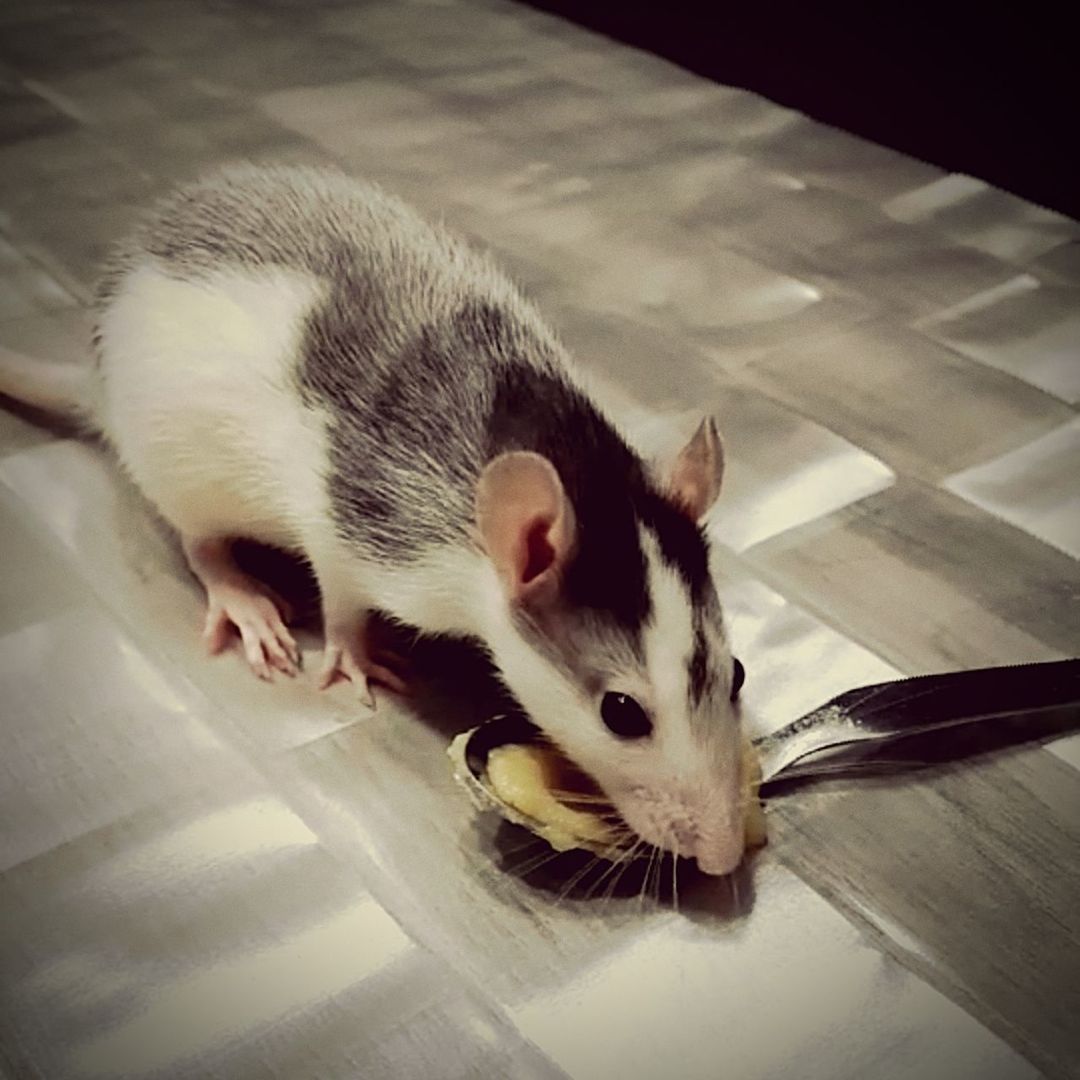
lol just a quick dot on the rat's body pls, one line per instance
(293, 357)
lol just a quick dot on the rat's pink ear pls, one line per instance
(698, 470)
(526, 523)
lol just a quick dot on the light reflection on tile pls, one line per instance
(982, 217)
(43, 586)
(199, 1015)
(1026, 327)
(85, 742)
(1062, 262)
(794, 662)
(708, 1001)
(1035, 487)
(837, 159)
(912, 267)
(164, 944)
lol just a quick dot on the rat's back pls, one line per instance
(273, 346)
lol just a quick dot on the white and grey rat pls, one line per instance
(295, 357)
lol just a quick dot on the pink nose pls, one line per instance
(719, 859)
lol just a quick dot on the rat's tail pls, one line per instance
(64, 390)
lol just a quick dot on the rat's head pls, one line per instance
(610, 633)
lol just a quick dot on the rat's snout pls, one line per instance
(719, 859)
(708, 829)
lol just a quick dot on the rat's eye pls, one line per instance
(738, 677)
(624, 716)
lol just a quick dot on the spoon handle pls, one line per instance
(926, 703)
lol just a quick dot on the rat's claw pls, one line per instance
(346, 656)
(267, 643)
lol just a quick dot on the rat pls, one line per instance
(293, 356)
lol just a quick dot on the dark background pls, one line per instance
(995, 95)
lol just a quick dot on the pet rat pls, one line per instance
(293, 356)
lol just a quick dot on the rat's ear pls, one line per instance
(526, 523)
(695, 477)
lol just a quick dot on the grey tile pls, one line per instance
(62, 335)
(214, 938)
(93, 731)
(683, 998)
(804, 219)
(367, 117)
(836, 159)
(929, 582)
(734, 307)
(1062, 262)
(922, 408)
(944, 867)
(134, 89)
(32, 163)
(1026, 327)
(71, 39)
(1034, 487)
(18, 434)
(25, 289)
(717, 192)
(25, 113)
(436, 38)
(548, 109)
(794, 660)
(273, 59)
(973, 213)
(176, 28)
(781, 469)
(42, 586)
(188, 146)
(916, 269)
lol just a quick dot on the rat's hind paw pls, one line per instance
(347, 657)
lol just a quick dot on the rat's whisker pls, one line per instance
(568, 887)
(531, 865)
(675, 871)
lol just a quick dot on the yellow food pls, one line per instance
(525, 777)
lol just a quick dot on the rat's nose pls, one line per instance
(719, 859)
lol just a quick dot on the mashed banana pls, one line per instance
(525, 777)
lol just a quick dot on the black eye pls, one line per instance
(624, 716)
(738, 677)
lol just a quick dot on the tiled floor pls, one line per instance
(201, 875)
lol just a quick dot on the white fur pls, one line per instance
(444, 590)
(199, 403)
(668, 641)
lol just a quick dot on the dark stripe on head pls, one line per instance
(702, 676)
(682, 544)
(538, 410)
